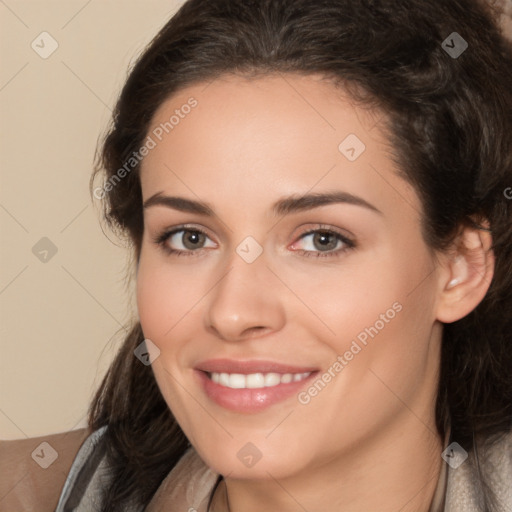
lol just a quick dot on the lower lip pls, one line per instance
(249, 400)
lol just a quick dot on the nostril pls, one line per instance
(254, 330)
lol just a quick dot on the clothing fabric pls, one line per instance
(190, 484)
(33, 470)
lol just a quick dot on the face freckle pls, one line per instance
(309, 254)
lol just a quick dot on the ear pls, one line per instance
(466, 273)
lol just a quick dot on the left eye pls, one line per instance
(323, 241)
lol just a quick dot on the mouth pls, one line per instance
(251, 386)
(255, 380)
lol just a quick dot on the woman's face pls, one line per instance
(296, 321)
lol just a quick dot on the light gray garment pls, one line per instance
(190, 483)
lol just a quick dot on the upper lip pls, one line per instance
(251, 366)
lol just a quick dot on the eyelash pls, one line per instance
(162, 239)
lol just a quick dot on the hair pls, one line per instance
(450, 122)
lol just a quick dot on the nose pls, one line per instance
(246, 302)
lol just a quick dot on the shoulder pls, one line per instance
(189, 482)
(33, 470)
(488, 467)
(87, 477)
(496, 463)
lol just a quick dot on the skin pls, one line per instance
(368, 440)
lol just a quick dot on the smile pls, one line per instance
(255, 380)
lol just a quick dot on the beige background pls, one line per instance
(59, 317)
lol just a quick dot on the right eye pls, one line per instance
(184, 241)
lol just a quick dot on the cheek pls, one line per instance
(152, 300)
(372, 373)
(376, 316)
(386, 358)
(165, 295)
(344, 300)
(164, 304)
(161, 299)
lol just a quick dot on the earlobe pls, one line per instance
(468, 273)
(459, 272)
(454, 282)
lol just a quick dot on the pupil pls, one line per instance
(325, 240)
(192, 239)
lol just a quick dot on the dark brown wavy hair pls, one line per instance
(451, 125)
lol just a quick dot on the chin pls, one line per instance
(247, 462)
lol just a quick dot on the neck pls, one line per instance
(396, 470)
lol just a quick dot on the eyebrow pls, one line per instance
(283, 206)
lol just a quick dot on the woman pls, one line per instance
(316, 195)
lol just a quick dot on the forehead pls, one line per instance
(275, 134)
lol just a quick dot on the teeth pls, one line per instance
(287, 377)
(255, 380)
(272, 379)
